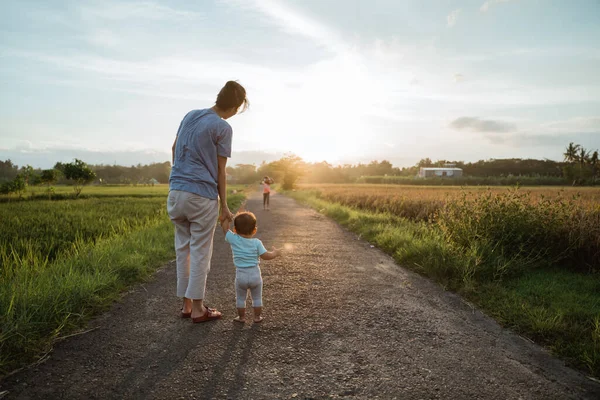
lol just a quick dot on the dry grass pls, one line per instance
(421, 202)
(588, 195)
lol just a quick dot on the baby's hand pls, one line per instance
(225, 224)
(276, 252)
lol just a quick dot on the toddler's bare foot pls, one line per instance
(257, 320)
(238, 319)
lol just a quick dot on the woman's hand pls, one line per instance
(225, 214)
(225, 225)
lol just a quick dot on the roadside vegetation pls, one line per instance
(530, 259)
(64, 260)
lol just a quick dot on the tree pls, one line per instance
(583, 156)
(18, 185)
(571, 152)
(8, 170)
(80, 173)
(425, 162)
(291, 167)
(48, 177)
(28, 174)
(594, 162)
(244, 173)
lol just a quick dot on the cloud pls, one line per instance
(490, 3)
(103, 38)
(453, 17)
(523, 139)
(294, 22)
(141, 10)
(168, 77)
(482, 125)
(585, 130)
(579, 124)
(46, 156)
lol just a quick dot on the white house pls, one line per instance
(441, 172)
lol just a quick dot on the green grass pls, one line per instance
(556, 307)
(65, 261)
(47, 228)
(62, 192)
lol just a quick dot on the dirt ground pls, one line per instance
(342, 321)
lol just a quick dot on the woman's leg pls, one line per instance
(182, 243)
(182, 252)
(268, 200)
(265, 200)
(202, 214)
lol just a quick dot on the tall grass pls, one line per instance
(469, 181)
(64, 261)
(516, 232)
(529, 261)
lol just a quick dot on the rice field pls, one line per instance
(66, 259)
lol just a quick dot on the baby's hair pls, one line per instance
(245, 223)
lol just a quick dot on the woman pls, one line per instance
(198, 180)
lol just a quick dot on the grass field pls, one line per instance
(64, 192)
(530, 258)
(64, 260)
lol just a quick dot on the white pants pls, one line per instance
(248, 279)
(195, 219)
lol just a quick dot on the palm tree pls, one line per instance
(583, 156)
(594, 161)
(571, 153)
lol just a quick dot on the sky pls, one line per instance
(342, 81)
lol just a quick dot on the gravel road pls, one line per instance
(342, 320)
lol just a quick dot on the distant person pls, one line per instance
(247, 252)
(266, 183)
(198, 179)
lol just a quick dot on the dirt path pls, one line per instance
(342, 321)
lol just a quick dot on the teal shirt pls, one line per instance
(246, 252)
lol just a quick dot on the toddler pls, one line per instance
(247, 252)
(266, 183)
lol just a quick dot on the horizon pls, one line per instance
(109, 82)
(274, 157)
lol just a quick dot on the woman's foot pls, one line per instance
(186, 308)
(209, 315)
(240, 319)
(258, 320)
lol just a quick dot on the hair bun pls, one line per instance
(232, 95)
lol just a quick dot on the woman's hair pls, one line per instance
(232, 95)
(244, 223)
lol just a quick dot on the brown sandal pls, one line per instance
(186, 314)
(211, 314)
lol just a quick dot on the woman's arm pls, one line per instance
(173, 150)
(222, 187)
(225, 225)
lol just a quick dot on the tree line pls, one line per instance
(579, 166)
(15, 179)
